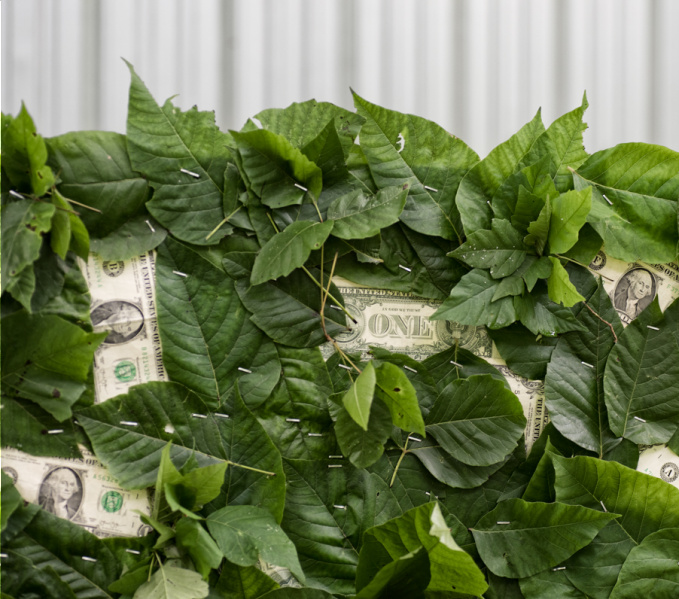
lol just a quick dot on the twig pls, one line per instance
(610, 326)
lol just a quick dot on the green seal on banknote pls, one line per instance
(125, 371)
(112, 501)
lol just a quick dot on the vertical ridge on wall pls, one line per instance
(480, 68)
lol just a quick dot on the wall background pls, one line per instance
(479, 68)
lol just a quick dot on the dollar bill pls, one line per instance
(123, 304)
(80, 490)
(633, 286)
(399, 322)
(660, 461)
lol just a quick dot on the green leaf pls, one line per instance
(500, 249)
(42, 542)
(23, 224)
(526, 354)
(173, 582)
(138, 235)
(21, 578)
(358, 215)
(194, 539)
(548, 584)
(419, 529)
(60, 229)
(477, 420)
(288, 310)
(95, 170)
(407, 575)
(481, 183)
(542, 316)
(528, 207)
(509, 286)
(574, 384)
(165, 412)
(533, 269)
(538, 230)
(569, 214)
(430, 165)
(651, 568)
(275, 168)
(24, 155)
(359, 398)
(395, 390)
(641, 378)
(11, 499)
(237, 582)
(289, 250)
(559, 286)
(246, 533)
(206, 331)
(47, 360)
(163, 140)
(471, 302)
(518, 539)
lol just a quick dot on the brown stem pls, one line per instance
(610, 326)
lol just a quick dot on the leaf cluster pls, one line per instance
(369, 475)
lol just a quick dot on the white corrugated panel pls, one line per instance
(480, 68)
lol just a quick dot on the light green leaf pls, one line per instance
(359, 398)
(275, 168)
(559, 286)
(288, 310)
(173, 582)
(430, 165)
(518, 539)
(206, 331)
(194, 539)
(569, 213)
(245, 533)
(471, 302)
(394, 389)
(574, 384)
(538, 230)
(420, 529)
(481, 183)
(477, 420)
(641, 378)
(23, 224)
(289, 250)
(60, 229)
(500, 249)
(358, 215)
(650, 569)
(24, 155)
(47, 360)
(163, 140)
(167, 412)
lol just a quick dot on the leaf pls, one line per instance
(275, 168)
(651, 567)
(237, 582)
(430, 165)
(538, 230)
(327, 511)
(194, 539)
(95, 170)
(163, 140)
(173, 582)
(407, 574)
(358, 399)
(288, 310)
(641, 378)
(289, 250)
(527, 210)
(421, 529)
(42, 542)
(135, 237)
(481, 183)
(357, 215)
(245, 533)
(24, 155)
(569, 214)
(11, 499)
(509, 286)
(395, 390)
(477, 420)
(518, 539)
(559, 286)
(526, 354)
(47, 360)
(470, 302)
(548, 584)
(500, 249)
(533, 269)
(574, 385)
(205, 330)
(165, 412)
(21, 578)
(23, 224)
(542, 316)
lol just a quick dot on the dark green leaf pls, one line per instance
(11, 499)
(542, 316)
(526, 354)
(518, 539)
(21, 578)
(237, 582)
(138, 235)
(163, 140)
(538, 230)
(194, 539)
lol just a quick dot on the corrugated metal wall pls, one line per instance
(480, 68)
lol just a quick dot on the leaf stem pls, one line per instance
(610, 326)
(235, 464)
(328, 294)
(404, 451)
(211, 233)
